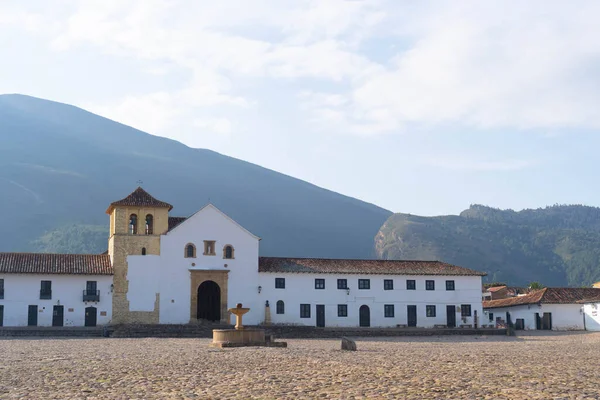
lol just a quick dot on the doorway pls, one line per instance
(32, 316)
(91, 316)
(58, 313)
(451, 316)
(320, 315)
(1, 315)
(547, 321)
(412, 315)
(364, 316)
(209, 301)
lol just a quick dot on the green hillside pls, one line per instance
(558, 245)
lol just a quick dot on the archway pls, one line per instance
(209, 301)
(364, 316)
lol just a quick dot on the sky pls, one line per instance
(421, 107)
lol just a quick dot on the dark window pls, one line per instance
(388, 310)
(342, 283)
(91, 292)
(149, 224)
(429, 285)
(411, 284)
(449, 285)
(388, 284)
(342, 310)
(46, 290)
(364, 284)
(1, 288)
(133, 224)
(319, 283)
(304, 310)
(491, 315)
(143, 251)
(209, 247)
(465, 310)
(190, 251)
(430, 311)
(280, 307)
(279, 283)
(228, 252)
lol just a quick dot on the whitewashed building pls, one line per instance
(161, 269)
(548, 309)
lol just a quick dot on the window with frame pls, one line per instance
(209, 248)
(342, 283)
(280, 307)
(1, 288)
(411, 284)
(143, 251)
(429, 285)
(279, 283)
(133, 224)
(46, 290)
(149, 224)
(449, 285)
(304, 310)
(342, 310)
(388, 284)
(465, 310)
(388, 311)
(430, 311)
(228, 252)
(319, 283)
(364, 284)
(190, 251)
(491, 316)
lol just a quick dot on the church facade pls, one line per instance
(161, 269)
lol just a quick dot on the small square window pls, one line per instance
(319, 283)
(279, 283)
(388, 284)
(388, 310)
(465, 310)
(430, 311)
(411, 284)
(342, 310)
(304, 310)
(364, 284)
(342, 283)
(449, 285)
(429, 285)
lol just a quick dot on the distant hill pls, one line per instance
(61, 166)
(558, 245)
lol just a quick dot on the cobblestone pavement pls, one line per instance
(552, 366)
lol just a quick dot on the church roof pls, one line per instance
(548, 296)
(43, 263)
(175, 221)
(342, 266)
(139, 198)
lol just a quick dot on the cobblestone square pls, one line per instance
(532, 366)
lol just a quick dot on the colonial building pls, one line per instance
(161, 269)
(548, 309)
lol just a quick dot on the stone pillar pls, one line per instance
(267, 313)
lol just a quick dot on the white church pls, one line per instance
(161, 269)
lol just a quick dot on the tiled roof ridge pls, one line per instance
(139, 198)
(356, 259)
(55, 263)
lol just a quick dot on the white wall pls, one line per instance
(23, 290)
(169, 273)
(300, 289)
(592, 316)
(564, 316)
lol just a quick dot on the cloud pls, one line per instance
(220, 126)
(469, 165)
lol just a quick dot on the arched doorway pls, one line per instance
(364, 316)
(209, 301)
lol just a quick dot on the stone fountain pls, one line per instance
(241, 336)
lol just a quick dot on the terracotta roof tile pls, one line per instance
(341, 266)
(139, 198)
(496, 288)
(43, 263)
(548, 296)
(174, 221)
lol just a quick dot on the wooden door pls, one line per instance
(320, 315)
(412, 315)
(364, 316)
(451, 316)
(91, 316)
(32, 316)
(58, 313)
(547, 321)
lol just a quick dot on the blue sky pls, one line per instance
(420, 107)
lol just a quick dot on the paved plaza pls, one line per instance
(533, 366)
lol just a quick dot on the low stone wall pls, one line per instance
(38, 331)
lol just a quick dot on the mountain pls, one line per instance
(558, 245)
(61, 166)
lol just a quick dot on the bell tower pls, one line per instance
(136, 225)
